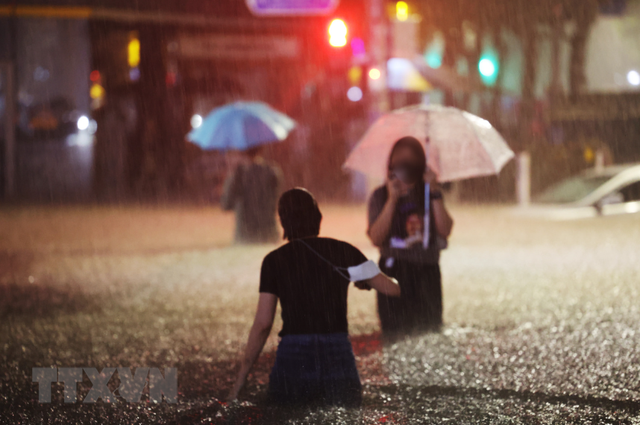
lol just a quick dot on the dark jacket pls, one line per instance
(252, 192)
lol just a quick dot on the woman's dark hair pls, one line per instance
(416, 148)
(299, 214)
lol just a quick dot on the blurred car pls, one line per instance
(613, 190)
(56, 118)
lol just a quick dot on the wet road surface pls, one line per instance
(542, 318)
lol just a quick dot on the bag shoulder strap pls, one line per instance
(339, 270)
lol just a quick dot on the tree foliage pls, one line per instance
(523, 18)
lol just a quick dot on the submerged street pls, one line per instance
(542, 319)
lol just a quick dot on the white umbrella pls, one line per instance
(461, 145)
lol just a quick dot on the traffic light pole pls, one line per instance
(379, 28)
(378, 57)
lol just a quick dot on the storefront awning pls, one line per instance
(403, 75)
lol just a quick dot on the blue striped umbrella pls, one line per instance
(241, 126)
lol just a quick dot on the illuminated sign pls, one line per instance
(234, 47)
(291, 7)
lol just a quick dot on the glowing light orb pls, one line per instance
(402, 11)
(487, 67)
(354, 94)
(196, 121)
(338, 33)
(83, 123)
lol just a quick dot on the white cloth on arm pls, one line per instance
(363, 271)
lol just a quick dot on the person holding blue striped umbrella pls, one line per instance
(252, 188)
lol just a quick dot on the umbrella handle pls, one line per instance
(425, 233)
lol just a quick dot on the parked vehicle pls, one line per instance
(613, 190)
(54, 119)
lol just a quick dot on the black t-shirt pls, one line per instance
(404, 241)
(313, 296)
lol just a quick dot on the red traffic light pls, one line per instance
(338, 33)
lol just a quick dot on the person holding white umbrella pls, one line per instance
(409, 207)
(409, 252)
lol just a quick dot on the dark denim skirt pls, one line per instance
(315, 369)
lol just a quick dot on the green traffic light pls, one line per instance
(488, 67)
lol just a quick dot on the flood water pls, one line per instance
(541, 318)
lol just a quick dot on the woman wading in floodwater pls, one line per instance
(396, 227)
(310, 276)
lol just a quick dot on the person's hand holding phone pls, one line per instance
(395, 188)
